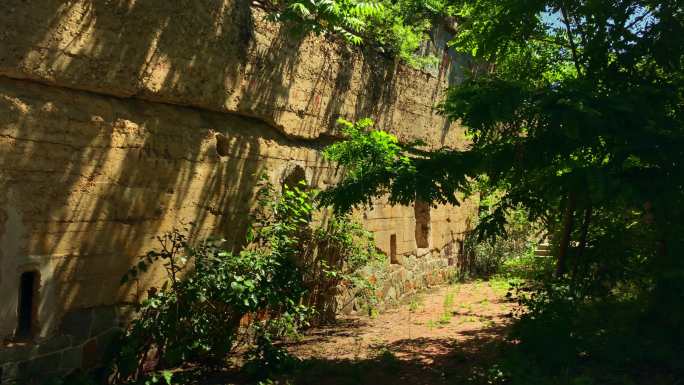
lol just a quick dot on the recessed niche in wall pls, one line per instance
(293, 176)
(222, 145)
(28, 299)
(421, 211)
(393, 248)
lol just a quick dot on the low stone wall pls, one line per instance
(395, 282)
(85, 340)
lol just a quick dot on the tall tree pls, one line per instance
(580, 114)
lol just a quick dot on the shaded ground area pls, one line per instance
(435, 337)
(432, 338)
(455, 335)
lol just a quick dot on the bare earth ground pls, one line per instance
(432, 338)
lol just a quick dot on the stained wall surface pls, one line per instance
(122, 119)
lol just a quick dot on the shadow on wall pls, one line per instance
(179, 52)
(380, 91)
(87, 181)
(208, 54)
(166, 46)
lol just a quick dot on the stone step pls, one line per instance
(543, 250)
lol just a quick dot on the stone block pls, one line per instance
(90, 354)
(77, 324)
(10, 372)
(125, 314)
(402, 260)
(54, 344)
(391, 294)
(71, 358)
(103, 318)
(17, 353)
(44, 364)
(348, 308)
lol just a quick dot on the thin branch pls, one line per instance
(583, 36)
(638, 19)
(568, 219)
(571, 40)
(585, 230)
(558, 43)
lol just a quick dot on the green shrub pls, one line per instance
(215, 301)
(486, 257)
(566, 335)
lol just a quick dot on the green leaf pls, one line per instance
(168, 376)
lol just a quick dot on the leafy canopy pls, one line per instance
(396, 27)
(576, 115)
(577, 118)
(590, 104)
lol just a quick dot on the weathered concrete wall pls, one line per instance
(217, 55)
(88, 181)
(122, 119)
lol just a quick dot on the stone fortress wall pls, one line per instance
(122, 119)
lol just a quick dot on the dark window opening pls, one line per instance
(393, 248)
(461, 257)
(28, 285)
(421, 211)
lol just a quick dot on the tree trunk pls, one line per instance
(571, 40)
(568, 219)
(584, 233)
(649, 219)
(585, 230)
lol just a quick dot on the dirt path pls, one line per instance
(430, 339)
